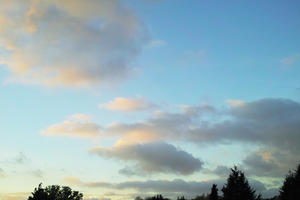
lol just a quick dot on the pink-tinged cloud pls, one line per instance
(128, 104)
(78, 125)
(70, 42)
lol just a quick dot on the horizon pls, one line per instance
(126, 98)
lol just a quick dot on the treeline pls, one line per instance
(236, 188)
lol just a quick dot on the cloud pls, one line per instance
(272, 124)
(235, 103)
(221, 171)
(69, 43)
(160, 126)
(128, 104)
(156, 157)
(269, 162)
(172, 187)
(37, 173)
(290, 60)
(21, 158)
(2, 173)
(266, 121)
(156, 43)
(78, 125)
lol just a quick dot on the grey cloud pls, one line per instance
(257, 163)
(164, 125)
(37, 173)
(270, 162)
(273, 124)
(131, 171)
(153, 157)
(21, 158)
(221, 171)
(266, 122)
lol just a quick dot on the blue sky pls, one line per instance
(136, 91)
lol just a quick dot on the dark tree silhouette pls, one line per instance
(214, 193)
(55, 192)
(291, 186)
(237, 187)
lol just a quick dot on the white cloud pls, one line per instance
(70, 42)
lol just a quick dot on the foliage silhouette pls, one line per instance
(291, 186)
(214, 193)
(238, 188)
(55, 192)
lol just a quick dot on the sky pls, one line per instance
(126, 98)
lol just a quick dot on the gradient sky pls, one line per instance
(120, 98)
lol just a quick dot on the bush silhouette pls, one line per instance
(55, 192)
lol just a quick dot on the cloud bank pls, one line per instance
(272, 124)
(174, 187)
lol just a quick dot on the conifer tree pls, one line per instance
(213, 193)
(237, 187)
(291, 186)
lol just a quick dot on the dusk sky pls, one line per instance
(126, 98)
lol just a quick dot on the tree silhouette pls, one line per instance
(237, 187)
(213, 193)
(55, 192)
(157, 197)
(291, 186)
